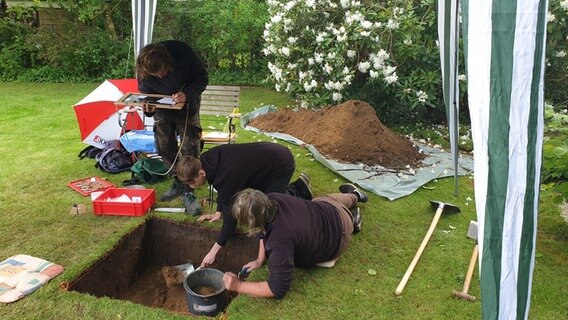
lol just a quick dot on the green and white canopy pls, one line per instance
(143, 14)
(504, 43)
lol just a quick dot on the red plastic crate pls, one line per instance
(87, 186)
(103, 207)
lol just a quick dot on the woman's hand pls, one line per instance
(232, 283)
(252, 265)
(209, 259)
(211, 217)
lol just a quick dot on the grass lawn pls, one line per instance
(39, 143)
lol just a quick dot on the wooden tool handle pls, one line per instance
(470, 268)
(406, 276)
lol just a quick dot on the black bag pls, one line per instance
(114, 160)
(90, 152)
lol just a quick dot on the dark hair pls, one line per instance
(187, 168)
(153, 59)
(253, 209)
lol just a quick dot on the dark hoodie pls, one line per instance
(189, 76)
(231, 168)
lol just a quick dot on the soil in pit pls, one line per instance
(139, 267)
(350, 132)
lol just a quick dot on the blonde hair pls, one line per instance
(187, 168)
(153, 59)
(253, 209)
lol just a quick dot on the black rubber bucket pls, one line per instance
(205, 292)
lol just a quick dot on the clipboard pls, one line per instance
(155, 100)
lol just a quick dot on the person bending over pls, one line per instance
(296, 233)
(230, 168)
(173, 68)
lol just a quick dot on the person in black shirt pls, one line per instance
(173, 68)
(230, 168)
(296, 233)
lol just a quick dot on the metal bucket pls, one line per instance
(212, 302)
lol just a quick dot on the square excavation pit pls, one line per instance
(132, 270)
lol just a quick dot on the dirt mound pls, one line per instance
(350, 132)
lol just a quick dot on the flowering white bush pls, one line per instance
(317, 48)
(326, 51)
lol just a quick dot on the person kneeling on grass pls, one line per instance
(296, 233)
(230, 168)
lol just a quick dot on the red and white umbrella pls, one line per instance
(101, 121)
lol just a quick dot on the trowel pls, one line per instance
(172, 210)
(186, 268)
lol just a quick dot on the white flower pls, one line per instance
(462, 77)
(364, 66)
(391, 24)
(374, 74)
(318, 57)
(352, 53)
(311, 61)
(276, 19)
(366, 24)
(285, 51)
(397, 11)
(289, 5)
(308, 86)
(562, 53)
(341, 37)
(564, 5)
(392, 78)
(311, 3)
(327, 68)
(387, 71)
(407, 42)
(337, 96)
(422, 96)
(292, 40)
(344, 3)
(550, 16)
(382, 55)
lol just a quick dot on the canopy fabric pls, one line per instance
(143, 14)
(448, 36)
(505, 45)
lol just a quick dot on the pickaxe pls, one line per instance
(471, 233)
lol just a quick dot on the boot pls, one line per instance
(351, 188)
(175, 190)
(192, 206)
(357, 219)
(303, 188)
